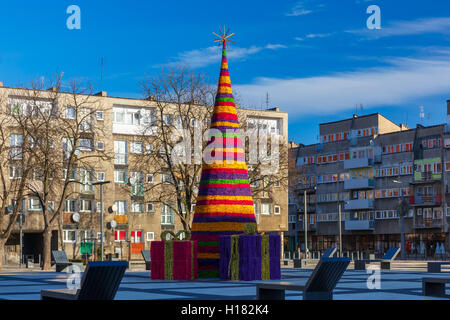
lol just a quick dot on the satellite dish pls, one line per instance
(77, 152)
(76, 217)
(113, 224)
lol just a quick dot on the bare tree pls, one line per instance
(60, 133)
(15, 166)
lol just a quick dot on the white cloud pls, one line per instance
(299, 38)
(203, 57)
(298, 10)
(403, 81)
(404, 28)
(317, 35)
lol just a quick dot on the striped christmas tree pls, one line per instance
(224, 202)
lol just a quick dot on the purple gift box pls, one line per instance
(250, 257)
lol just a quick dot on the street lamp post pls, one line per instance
(401, 207)
(340, 217)
(305, 218)
(102, 215)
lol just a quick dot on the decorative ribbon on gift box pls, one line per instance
(174, 259)
(250, 256)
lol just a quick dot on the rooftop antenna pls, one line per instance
(267, 100)
(428, 118)
(361, 107)
(101, 74)
(421, 114)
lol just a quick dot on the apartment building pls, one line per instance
(358, 175)
(132, 221)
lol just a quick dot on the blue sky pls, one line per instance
(315, 58)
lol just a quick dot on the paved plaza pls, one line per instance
(136, 285)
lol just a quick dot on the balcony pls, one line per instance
(358, 163)
(435, 200)
(121, 218)
(137, 190)
(121, 158)
(359, 204)
(426, 177)
(428, 223)
(359, 225)
(359, 184)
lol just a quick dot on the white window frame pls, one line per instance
(264, 205)
(85, 204)
(101, 176)
(32, 205)
(275, 210)
(152, 207)
(100, 146)
(99, 115)
(66, 233)
(150, 236)
(134, 147)
(149, 175)
(167, 215)
(116, 176)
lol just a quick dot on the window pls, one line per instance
(136, 236)
(148, 148)
(120, 152)
(69, 113)
(265, 208)
(99, 234)
(120, 235)
(99, 115)
(100, 146)
(15, 172)
(167, 119)
(122, 207)
(100, 176)
(51, 205)
(149, 178)
(70, 236)
(86, 205)
(150, 207)
(99, 207)
(166, 178)
(34, 204)
(137, 147)
(166, 214)
(86, 144)
(137, 207)
(276, 210)
(120, 176)
(86, 180)
(150, 236)
(71, 205)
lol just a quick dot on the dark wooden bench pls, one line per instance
(319, 286)
(434, 266)
(100, 281)
(434, 287)
(385, 261)
(147, 259)
(61, 260)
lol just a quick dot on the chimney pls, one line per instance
(448, 107)
(54, 89)
(101, 94)
(276, 109)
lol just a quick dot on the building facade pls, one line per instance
(132, 221)
(361, 177)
